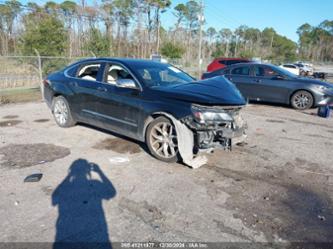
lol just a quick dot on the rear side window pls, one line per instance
(241, 71)
(72, 71)
(88, 71)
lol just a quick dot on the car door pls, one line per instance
(270, 85)
(85, 87)
(242, 77)
(119, 105)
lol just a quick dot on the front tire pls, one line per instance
(302, 100)
(161, 139)
(61, 112)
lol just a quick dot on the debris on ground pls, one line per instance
(33, 178)
(118, 160)
(324, 111)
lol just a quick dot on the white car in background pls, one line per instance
(291, 68)
(307, 64)
(305, 69)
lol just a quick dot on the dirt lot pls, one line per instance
(98, 187)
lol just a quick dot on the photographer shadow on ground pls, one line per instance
(81, 221)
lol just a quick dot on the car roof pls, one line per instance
(128, 61)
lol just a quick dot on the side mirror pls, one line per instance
(126, 83)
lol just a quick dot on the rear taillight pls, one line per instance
(46, 82)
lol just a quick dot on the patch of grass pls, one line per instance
(19, 95)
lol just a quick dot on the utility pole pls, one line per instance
(271, 47)
(40, 72)
(201, 20)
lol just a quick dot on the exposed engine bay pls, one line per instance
(216, 127)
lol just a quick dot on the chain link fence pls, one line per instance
(22, 76)
(28, 71)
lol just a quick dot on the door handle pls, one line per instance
(101, 89)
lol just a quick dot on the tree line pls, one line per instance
(133, 28)
(316, 42)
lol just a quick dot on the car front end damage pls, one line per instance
(323, 95)
(216, 127)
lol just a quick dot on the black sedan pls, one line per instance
(143, 100)
(269, 83)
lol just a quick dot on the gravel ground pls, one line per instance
(100, 187)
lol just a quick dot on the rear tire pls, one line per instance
(161, 139)
(62, 113)
(302, 100)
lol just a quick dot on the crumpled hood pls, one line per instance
(213, 91)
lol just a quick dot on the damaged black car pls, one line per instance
(156, 103)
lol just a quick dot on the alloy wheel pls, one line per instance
(163, 140)
(60, 112)
(302, 100)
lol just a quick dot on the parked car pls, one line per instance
(224, 62)
(269, 83)
(137, 98)
(307, 64)
(291, 68)
(304, 69)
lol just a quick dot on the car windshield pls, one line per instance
(156, 75)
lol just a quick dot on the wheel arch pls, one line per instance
(54, 96)
(151, 118)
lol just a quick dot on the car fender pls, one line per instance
(157, 113)
(152, 117)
